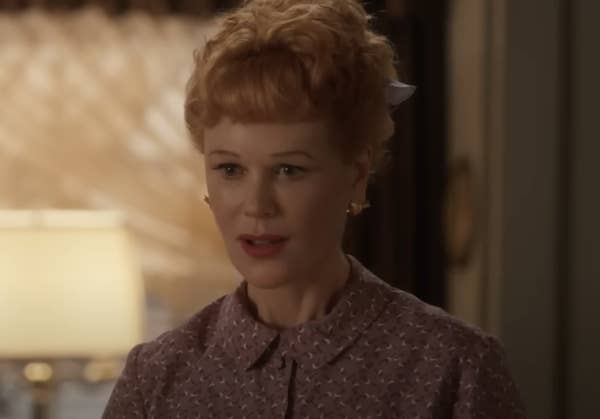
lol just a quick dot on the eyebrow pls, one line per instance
(280, 154)
(228, 153)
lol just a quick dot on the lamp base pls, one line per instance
(40, 376)
(41, 398)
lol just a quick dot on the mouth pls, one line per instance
(265, 245)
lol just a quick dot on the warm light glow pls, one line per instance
(70, 286)
(38, 372)
(91, 117)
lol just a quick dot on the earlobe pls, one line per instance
(363, 164)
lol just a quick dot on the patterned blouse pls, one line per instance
(379, 353)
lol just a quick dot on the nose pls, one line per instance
(260, 199)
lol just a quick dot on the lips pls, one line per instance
(263, 238)
(264, 245)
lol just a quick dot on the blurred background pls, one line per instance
(488, 207)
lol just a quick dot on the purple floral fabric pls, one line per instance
(380, 353)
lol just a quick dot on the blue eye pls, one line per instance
(287, 170)
(230, 170)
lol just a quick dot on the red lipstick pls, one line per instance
(262, 246)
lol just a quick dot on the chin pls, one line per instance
(264, 283)
(264, 273)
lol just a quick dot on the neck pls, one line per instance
(300, 301)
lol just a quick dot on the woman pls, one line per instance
(289, 103)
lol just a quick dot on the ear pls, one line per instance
(362, 168)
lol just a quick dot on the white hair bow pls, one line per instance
(397, 92)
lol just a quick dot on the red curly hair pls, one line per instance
(293, 60)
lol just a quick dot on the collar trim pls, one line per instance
(313, 344)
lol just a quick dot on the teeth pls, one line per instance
(261, 242)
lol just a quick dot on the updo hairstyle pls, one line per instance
(291, 61)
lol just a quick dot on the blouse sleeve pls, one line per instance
(486, 389)
(126, 400)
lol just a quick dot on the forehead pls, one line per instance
(269, 137)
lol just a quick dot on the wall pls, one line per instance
(466, 130)
(523, 92)
(583, 282)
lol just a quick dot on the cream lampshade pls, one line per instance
(70, 286)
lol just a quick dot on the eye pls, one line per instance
(288, 170)
(230, 170)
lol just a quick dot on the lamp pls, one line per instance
(70, 290)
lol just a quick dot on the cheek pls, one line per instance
(327, 206)
(221, 203)
(320, 209)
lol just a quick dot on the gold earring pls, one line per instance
(206, 200)
(355, 208)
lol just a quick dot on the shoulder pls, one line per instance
(191, 338)
(406, 320)
(429, 327)
(469, 360)
(150, 365)
(468, 363)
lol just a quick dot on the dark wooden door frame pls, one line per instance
(401, 237)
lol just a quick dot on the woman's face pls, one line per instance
(279, 193)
